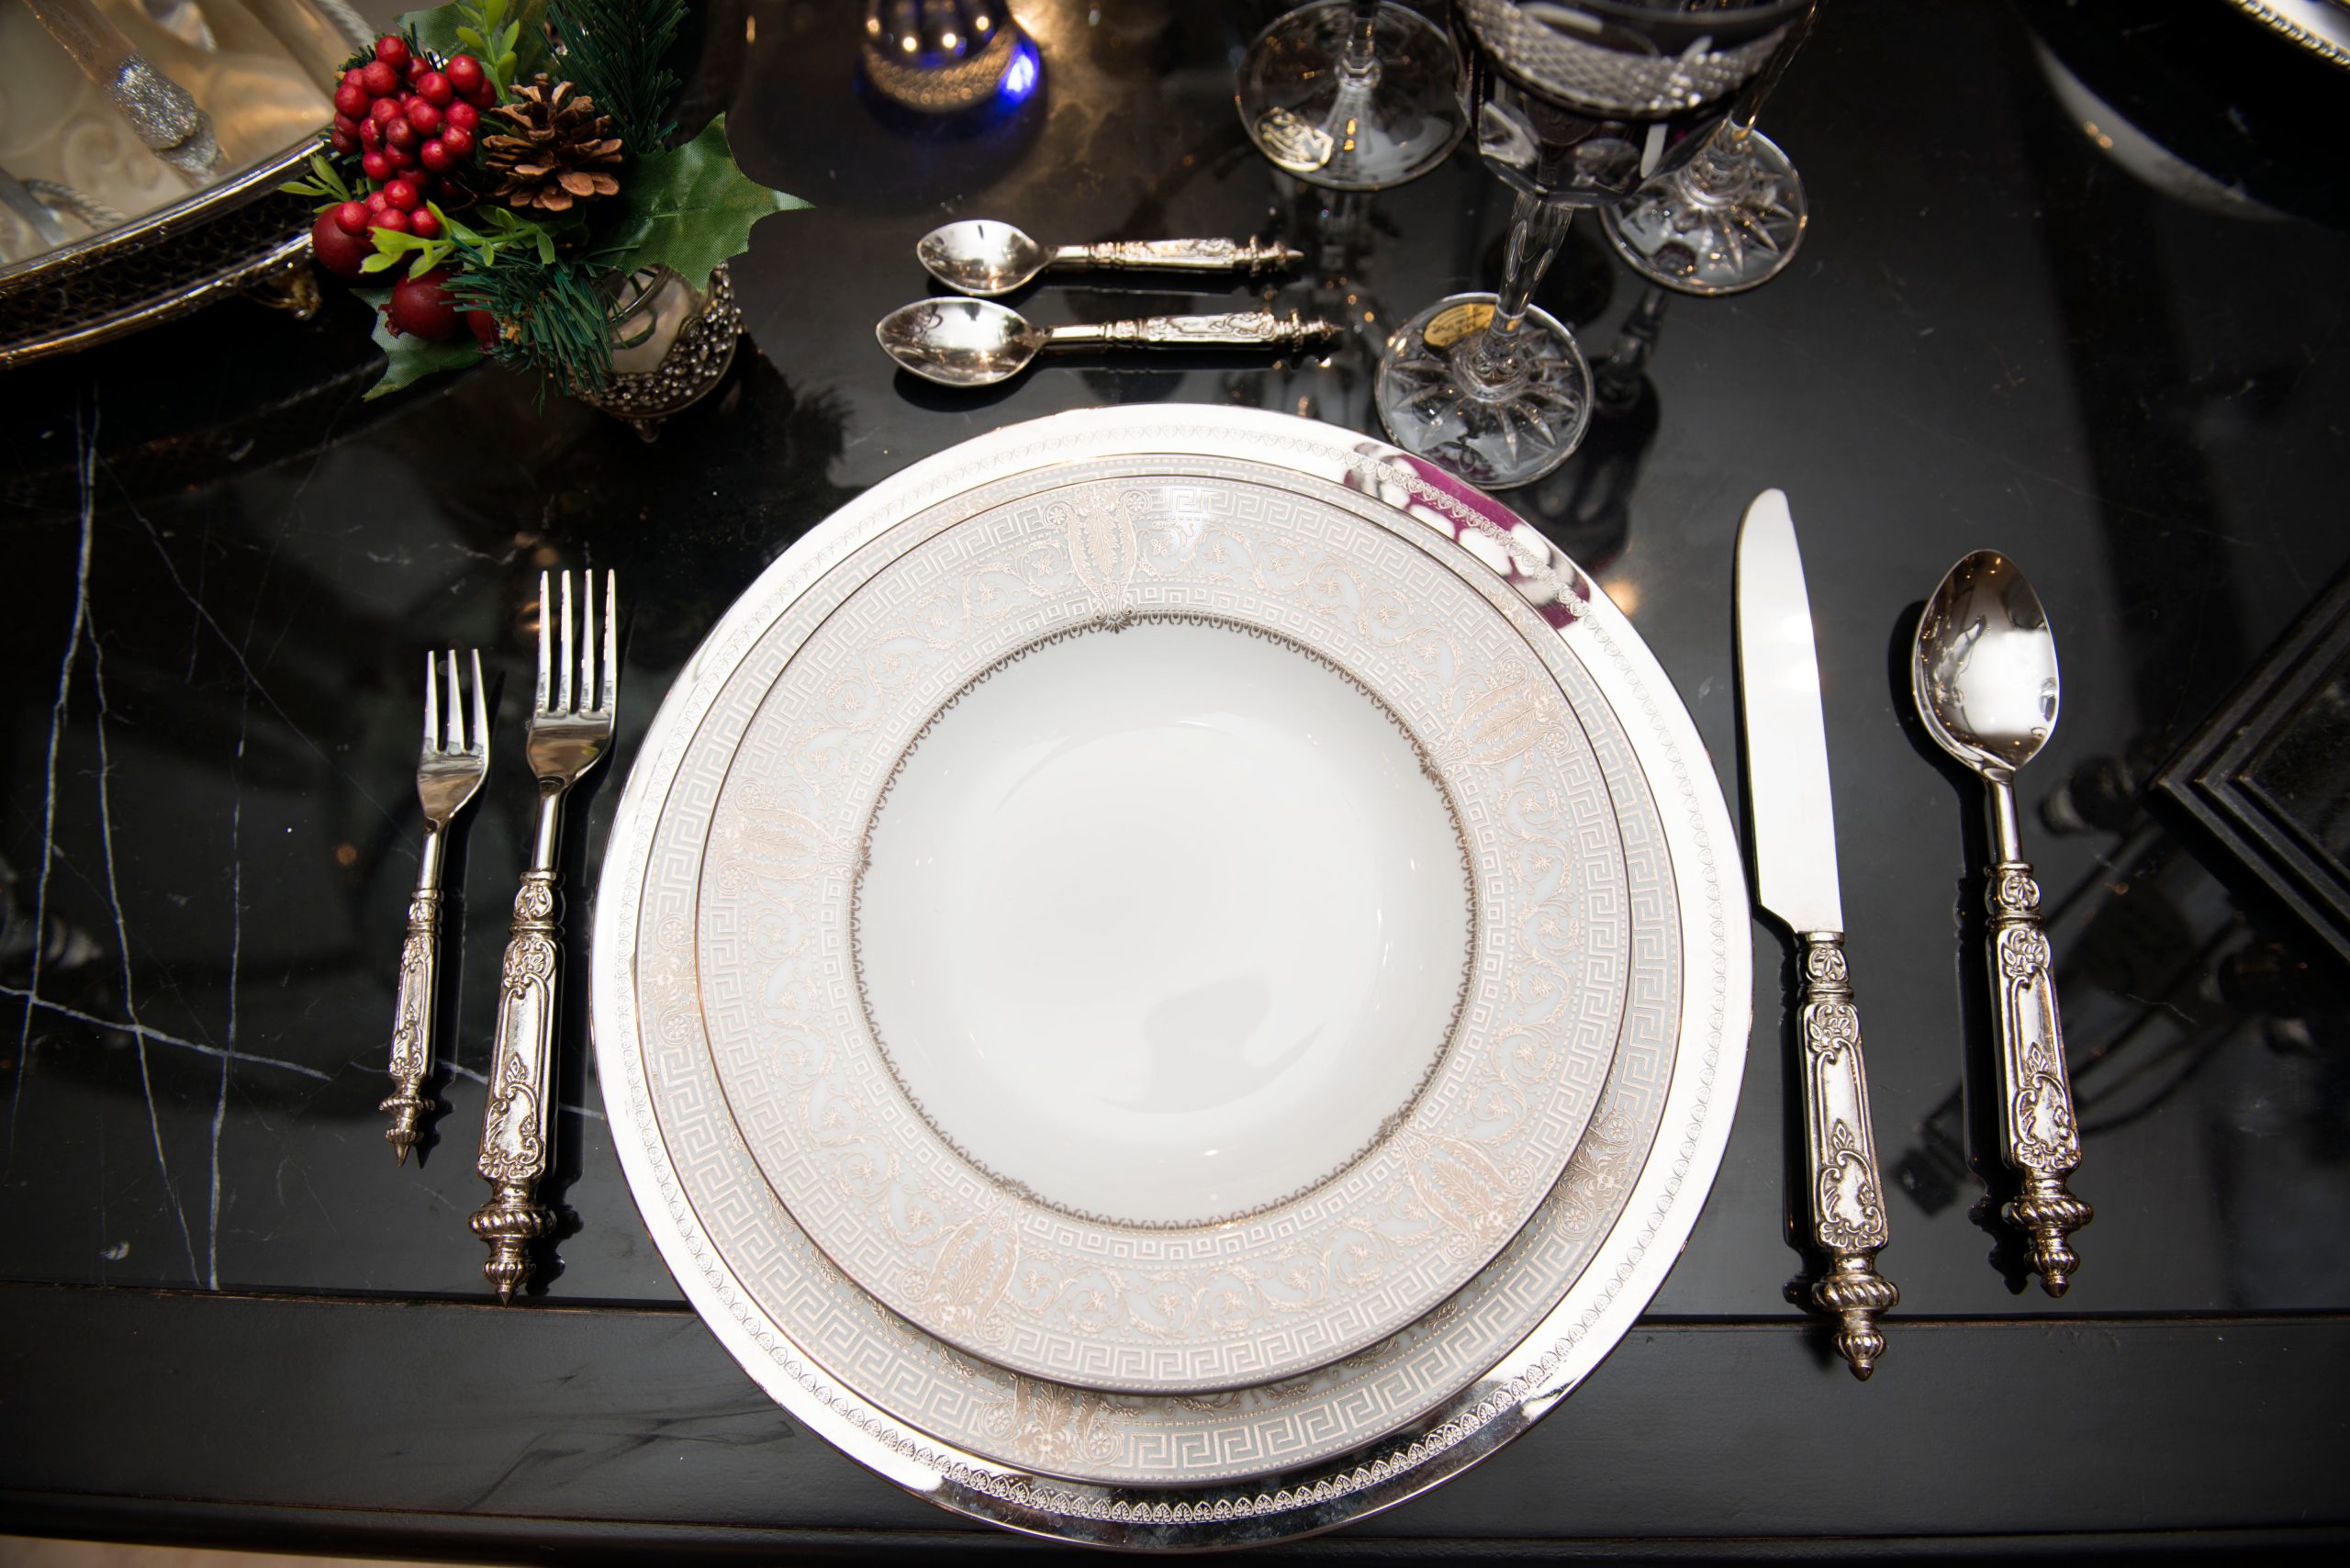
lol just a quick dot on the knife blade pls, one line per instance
(1786, 759)
(1793, 839)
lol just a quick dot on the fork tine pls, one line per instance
(586, 640)
(453, 737)
(564, 706)
(546, 660)
(611, 693)
(431, 704)
(478, 745)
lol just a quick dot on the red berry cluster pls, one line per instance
(410, 121)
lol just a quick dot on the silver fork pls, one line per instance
(570, 729)
(448, 771)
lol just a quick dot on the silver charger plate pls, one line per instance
(1258, 1462)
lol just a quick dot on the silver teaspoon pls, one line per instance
(983, 257)
(971, 342)
(1985, 680)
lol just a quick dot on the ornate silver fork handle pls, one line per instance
(570, 729)
(2038, 1134)
(449, 769)
(515, 1127)
(1235, 329)
(1181, 255)
(1847, 1200)
(412, 1018)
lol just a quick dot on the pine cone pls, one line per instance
(560, 152)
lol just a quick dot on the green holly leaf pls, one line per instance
(410, 359)
(689, 208)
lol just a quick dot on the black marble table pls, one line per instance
(226, 1315)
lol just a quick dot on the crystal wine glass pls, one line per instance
(1355, 94)
(1574, 101)
(1728, 218)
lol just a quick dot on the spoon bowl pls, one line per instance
(1984, 670)
(983, 257)
(960, 342)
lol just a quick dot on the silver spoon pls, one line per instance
(971, 342)
(1985, 680)
(983, 257)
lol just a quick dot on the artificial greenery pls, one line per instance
(550, 280)
(689, 208)
(408, 358)
(509, 36)
(553, 318)
(326, 185)
(614, 49)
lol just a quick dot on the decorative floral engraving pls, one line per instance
(974, 1265)
(513, 1139)
(2023, 953)
(2014, 892)
(515, 1152)
(1103, 550)
(411, 1023)
(1851, 1215)
(1829, 1029)
(2045, 1138)
(1464, 1188)
(1056, 1428)
(411, 1055)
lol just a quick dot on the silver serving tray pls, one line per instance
(844, 1388)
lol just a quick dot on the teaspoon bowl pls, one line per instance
(1985, 667)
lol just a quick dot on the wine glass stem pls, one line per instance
(1358, 64)
(1537, 228)
(1719, 163)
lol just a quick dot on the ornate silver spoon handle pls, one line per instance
(514, 1143)
(1181, 255)
(412, 1016)
(2038, 1135)
(1236, 329)
(1847, 1200)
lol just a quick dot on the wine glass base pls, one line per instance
(1494, 436)
(1330, 127)
(1732, 231)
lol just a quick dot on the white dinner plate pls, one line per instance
(755, 1038)
(1226, 941)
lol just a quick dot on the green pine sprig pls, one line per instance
(613, 49)
(553, 318)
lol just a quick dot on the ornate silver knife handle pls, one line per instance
(1181, 255)
(514, 1124)
(1236, 329)
(412, 1017)
(1847, 1200)
(2038, 1134)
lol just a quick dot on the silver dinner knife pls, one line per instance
(1786, 742)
